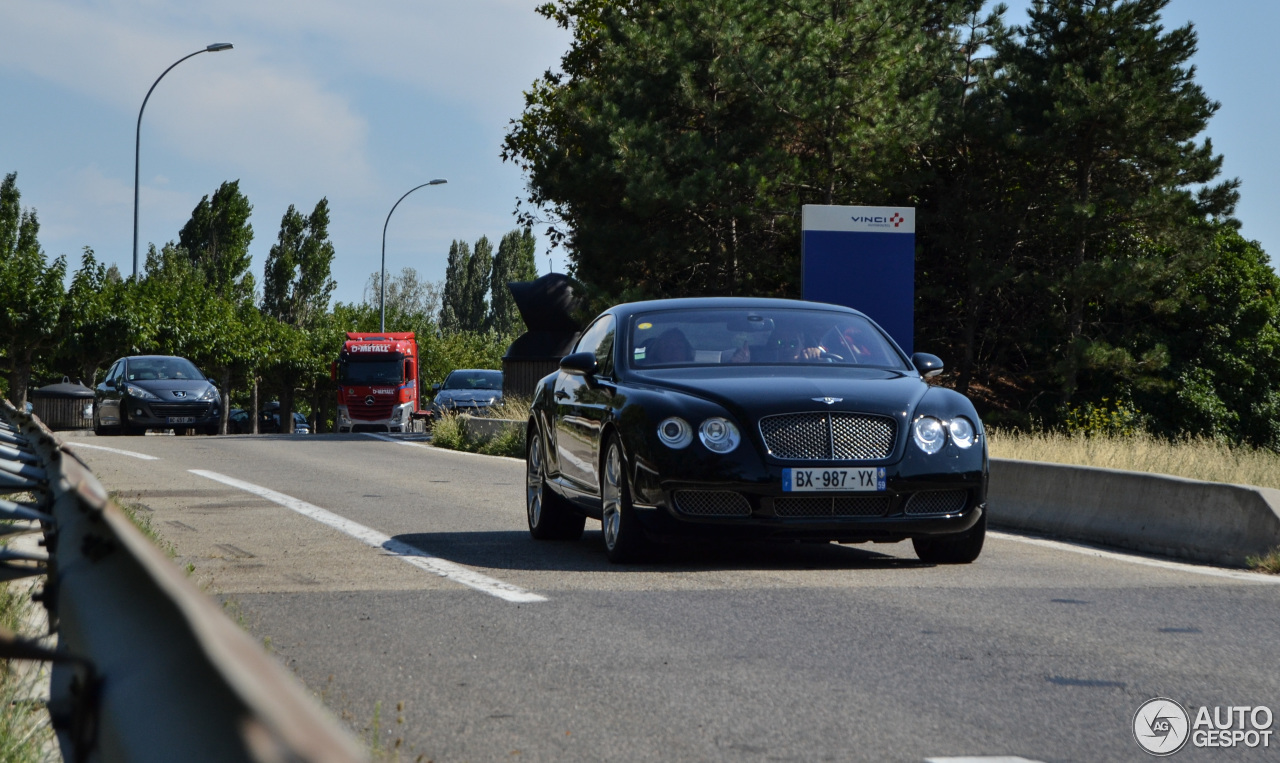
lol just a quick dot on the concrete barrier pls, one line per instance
(1171, 516)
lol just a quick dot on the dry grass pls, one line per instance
(1194, 458)
(25, 732)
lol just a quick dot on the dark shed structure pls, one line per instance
(547, 305)
(64, 406)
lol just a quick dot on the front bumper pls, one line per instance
(157, 414)
(399, 420)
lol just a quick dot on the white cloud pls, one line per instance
(235, 108)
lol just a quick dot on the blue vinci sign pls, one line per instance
(864, 258)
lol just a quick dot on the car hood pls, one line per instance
(164, 388)
(765, 391)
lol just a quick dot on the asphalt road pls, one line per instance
(528, 651)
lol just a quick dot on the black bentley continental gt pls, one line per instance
(734, 417)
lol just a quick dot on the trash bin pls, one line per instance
(68, 405)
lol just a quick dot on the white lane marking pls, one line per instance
(996, 759)
(142, 456)
(388, 438)
(377, 436)
(1195, 569)
(415, 556)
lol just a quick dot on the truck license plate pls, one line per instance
(866, 479)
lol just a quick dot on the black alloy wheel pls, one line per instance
(624, 538)
(961, 548)
(551, 517)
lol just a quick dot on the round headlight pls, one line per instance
(719, 435)
(675, 432)
(929, 434)
(962, 433)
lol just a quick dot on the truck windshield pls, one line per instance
(371, 372)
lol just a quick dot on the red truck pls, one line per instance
(377, 376)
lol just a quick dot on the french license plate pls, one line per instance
(866, 479)
(180, 420)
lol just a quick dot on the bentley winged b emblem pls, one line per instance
(827, 400)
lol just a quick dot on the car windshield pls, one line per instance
(473, 380)
(758, 337)
(371, 372)
(151, 369)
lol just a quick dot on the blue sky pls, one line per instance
(359, 102)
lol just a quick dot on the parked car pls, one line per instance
(144, 392)
(733, 417)
(467, 390)
(239, 422)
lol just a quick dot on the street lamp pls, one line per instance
(137, 143)
(382, 300)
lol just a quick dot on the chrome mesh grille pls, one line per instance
(826, 506)
(937, 502)
(822, 436)
(712, 503)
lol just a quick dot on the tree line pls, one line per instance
(198, 298)
(1076, 249)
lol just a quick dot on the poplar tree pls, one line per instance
(297, 281)
(513, 262)
(475, 306)
(31, 292)
(217, 239)
(453, 303)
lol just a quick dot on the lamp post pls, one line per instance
(137, 143)
(382, 300)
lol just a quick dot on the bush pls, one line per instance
(451, 432)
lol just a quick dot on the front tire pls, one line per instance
(550, 516)
(624, 538)
(127, 429)
(99, 430)
(962, 548)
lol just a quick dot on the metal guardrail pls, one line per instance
(146, 667)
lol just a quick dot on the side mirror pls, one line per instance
(582, 363)
(928, 365)
(435, 387)
(110, 383)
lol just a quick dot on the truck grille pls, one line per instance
(829, 506)
(712, 503)
(937, 502)
(379, 411)
(823, 436)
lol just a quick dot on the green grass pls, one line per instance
(450, 432)
(1193, 457)
(140, 516)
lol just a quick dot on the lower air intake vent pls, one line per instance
(712, 503)
(938, 502)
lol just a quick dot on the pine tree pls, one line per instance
(1107, 113)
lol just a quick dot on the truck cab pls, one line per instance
(377, 378)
